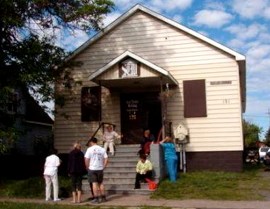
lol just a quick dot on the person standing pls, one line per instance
(147, 140)
(108, 137)
(76, 170)
(143, 170)
(96, 160)
(50, 173)
(170, 157)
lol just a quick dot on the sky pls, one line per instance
(242, 25)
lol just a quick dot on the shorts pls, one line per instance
(95, 176)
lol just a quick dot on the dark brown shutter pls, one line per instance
(90, 103)
(194, 98)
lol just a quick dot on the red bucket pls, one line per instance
(151, 184)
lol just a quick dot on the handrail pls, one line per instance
(100, 125)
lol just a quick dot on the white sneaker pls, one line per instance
(57, 200)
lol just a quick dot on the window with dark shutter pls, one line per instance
(194, 98)
(90, 104)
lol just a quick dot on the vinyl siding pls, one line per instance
(186, 58)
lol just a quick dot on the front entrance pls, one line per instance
(138, 112)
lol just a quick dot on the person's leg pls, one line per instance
(94, 178)
(171, 170)
(96, 192)
(149, 174)
(55, 187)
(137, 181)
(111, 147)
(90, 176)
(73, 186)
(91, 191)
(175, 168)
(79, 188)
(101, 186)
(48, 189)
(106, 144)
(79, 200)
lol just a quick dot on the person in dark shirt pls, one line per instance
(76, 170)
(147, 140)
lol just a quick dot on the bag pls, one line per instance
(151, 184)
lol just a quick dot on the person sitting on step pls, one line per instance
(143, 170)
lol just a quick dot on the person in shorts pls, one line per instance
(96, 160)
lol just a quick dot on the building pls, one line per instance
(147, 71)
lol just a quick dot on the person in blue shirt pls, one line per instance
(170, 157)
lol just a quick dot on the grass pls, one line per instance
(12, 205)
(29, 188)
(247, 185)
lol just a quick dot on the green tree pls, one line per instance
(29, 57)
(267, 137)
(251, 133)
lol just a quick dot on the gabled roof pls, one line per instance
(34, 113)
(138, 7)
(137, 58)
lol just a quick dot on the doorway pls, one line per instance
(138, 112)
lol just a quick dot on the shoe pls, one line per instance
(56, 200)
(103, 199)
(90, 198)
(95, 201)
(137, 188)
(48, 199)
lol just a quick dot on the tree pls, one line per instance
(267, 137)
(29, 57)
(251, 133)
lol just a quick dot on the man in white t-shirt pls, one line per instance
(96, 159)
(50, 175)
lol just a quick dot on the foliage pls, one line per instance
(29, 56)
(267, 137)
(251, 133)
(7, 139)
(29, 188)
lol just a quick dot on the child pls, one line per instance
(143, 170)
(108, 138)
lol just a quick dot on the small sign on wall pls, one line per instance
(215, 83)
(129, 68)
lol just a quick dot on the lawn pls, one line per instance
(251, 184)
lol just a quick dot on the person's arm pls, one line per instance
(149, 166)
(105, 162)
(86, 162)
(138, 167)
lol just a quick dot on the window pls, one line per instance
(90, 104)
(12, 103)
(194, 98)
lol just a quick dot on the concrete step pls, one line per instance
(116, 174)
(125, 188)
(119, 176)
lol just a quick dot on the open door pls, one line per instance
(139, 111)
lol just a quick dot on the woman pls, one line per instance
(76, 170)
(170, 157)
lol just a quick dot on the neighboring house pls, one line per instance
(146, 71)
(33, 124)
